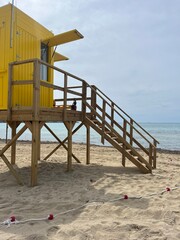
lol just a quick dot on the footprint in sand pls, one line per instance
(52, 231)
(36, 237)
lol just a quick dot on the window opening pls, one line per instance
(44, 57)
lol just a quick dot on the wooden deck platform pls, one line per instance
(53, 114)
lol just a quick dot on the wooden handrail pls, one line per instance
(126, 115)
(130, 126)
(22, 82)
(48, 65)
(55, 87)
(129, 123)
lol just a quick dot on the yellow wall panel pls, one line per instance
(26, 44)
(3, 91)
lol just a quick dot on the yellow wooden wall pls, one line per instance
(26, 44)
(4, 55)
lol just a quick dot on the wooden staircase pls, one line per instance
(120, 130)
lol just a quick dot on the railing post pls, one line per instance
(69, 126)
(154, 154)
(124, 146)
(93, 99)
(65, 97)
(131, 132)
(10, 93)
(13, 147)
(103, 120)
(36, 90)
(150, 155)
(87, 144)
(84, 93)
(112, 114)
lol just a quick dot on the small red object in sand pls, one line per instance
(13, 218)
(50, 217)
(168, 189)
(125, 196)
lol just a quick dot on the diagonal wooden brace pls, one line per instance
(12, 170)
(62, 142)
(8, 145)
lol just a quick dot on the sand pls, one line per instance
(94, 188)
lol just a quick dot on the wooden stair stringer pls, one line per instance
(121, 140)
(141, 163)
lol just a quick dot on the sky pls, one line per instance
(130, 50)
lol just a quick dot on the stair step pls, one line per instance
(107, 132)
(136, 157)
(114, 138)
(96, 122)
(120, 144)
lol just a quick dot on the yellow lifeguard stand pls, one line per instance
(27, 56)
(22, 38)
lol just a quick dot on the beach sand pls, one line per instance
(94, 188)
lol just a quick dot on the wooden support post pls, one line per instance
(30, 126)
(69, 126)
(124, 146)
(87, 144)
(35, 151)
(13, 147)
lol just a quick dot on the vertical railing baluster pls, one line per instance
(112, 114)
(84, 96)
(150, 155)
(65, 97)
(154, 154)
(124, 146)
(131, 132)
(36, 90)
(103, 120)
(93, 101)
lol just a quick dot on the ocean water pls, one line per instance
(168, 134)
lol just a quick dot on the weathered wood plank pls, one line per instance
(13, 147)
(35, 152)
(69, 126)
